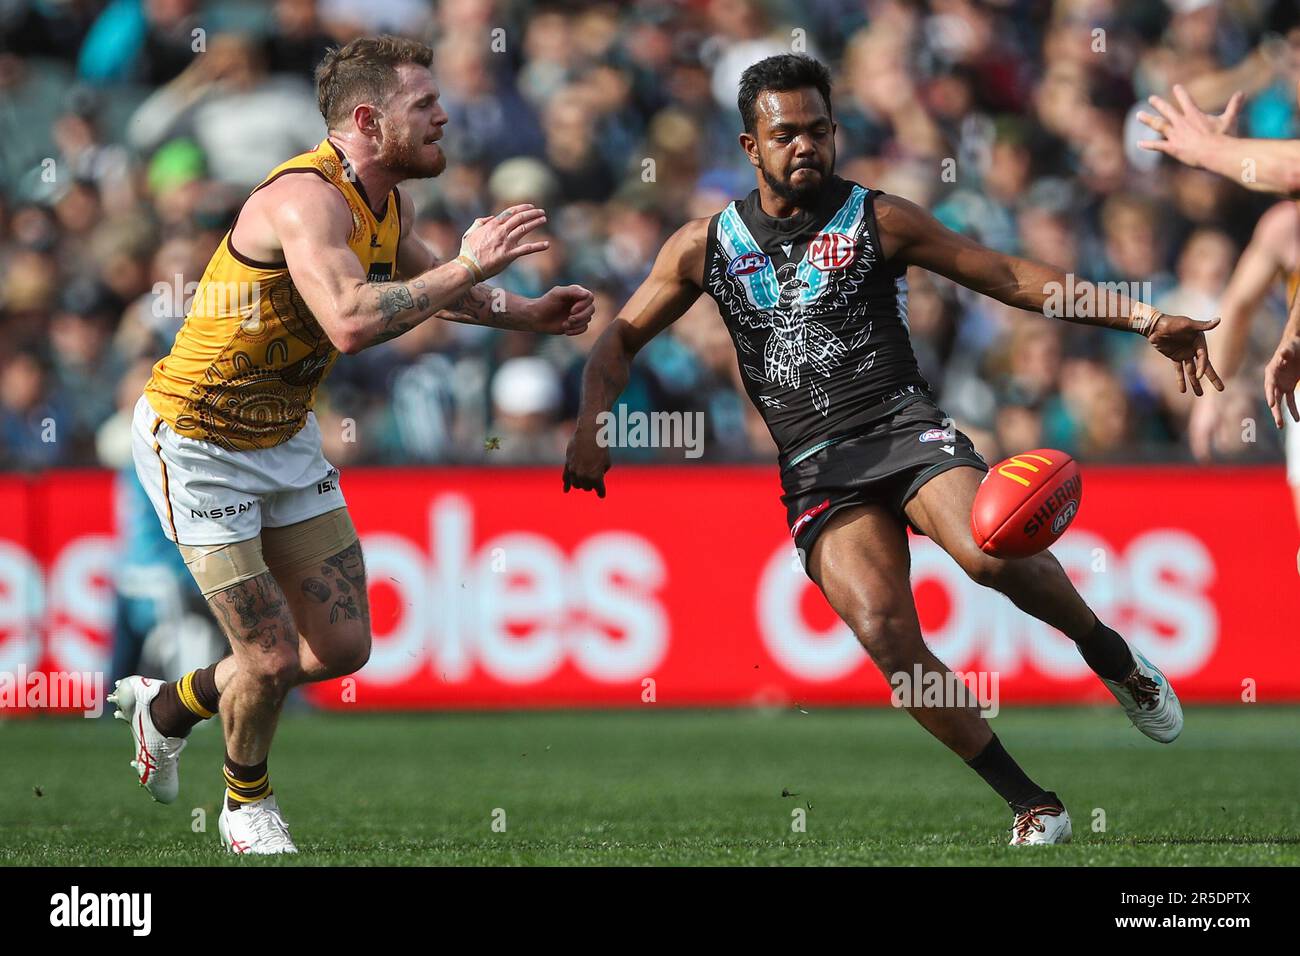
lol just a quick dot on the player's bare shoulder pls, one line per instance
(683, 255)
(899, 222)
(1280, 225)
(288, 207)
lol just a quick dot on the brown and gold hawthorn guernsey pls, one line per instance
(243, 370)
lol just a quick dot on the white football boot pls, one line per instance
(1149, 700)
(1036, 825)
(256, 828)
(156, 757)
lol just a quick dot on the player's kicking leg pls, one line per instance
(1039, 586)
(861, 562)
(161, 716)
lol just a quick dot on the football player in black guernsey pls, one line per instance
(809, 273)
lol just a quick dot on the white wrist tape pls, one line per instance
(1142, 318)
(471, 266)
(468, 259)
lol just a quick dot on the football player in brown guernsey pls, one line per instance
(809, 273)
(321, 259)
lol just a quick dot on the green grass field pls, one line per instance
(669, 787)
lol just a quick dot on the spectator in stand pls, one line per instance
(245, 120)
(85, 369)
(141, 41)
(35, 419)
(525, 415)
(298, 40)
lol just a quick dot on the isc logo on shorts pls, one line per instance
(330, 483)
(229, 511)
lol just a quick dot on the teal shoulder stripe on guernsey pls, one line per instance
(736, 240)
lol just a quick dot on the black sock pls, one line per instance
(1004, 775)
(1106, 653)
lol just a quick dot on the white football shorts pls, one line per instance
(205, 494)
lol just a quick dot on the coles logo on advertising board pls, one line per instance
(830, 250)
(515, 608)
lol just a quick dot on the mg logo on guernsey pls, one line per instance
(830, 250)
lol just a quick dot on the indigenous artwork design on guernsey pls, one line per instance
(795, 301)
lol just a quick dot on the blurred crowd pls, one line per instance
(130, 131)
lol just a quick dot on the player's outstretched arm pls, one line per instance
(563, 310)
(672, 287)
(1272, 250)
(1198, 139)
(915, 237)
(311, 225)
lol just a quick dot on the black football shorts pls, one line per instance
(886, 463)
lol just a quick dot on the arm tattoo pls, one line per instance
(470, 307)
(392, 332)
(475, 307)
(394, 299)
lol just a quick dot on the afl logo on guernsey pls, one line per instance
(830, 250)
(747, 264)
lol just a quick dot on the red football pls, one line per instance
(1025, 503)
